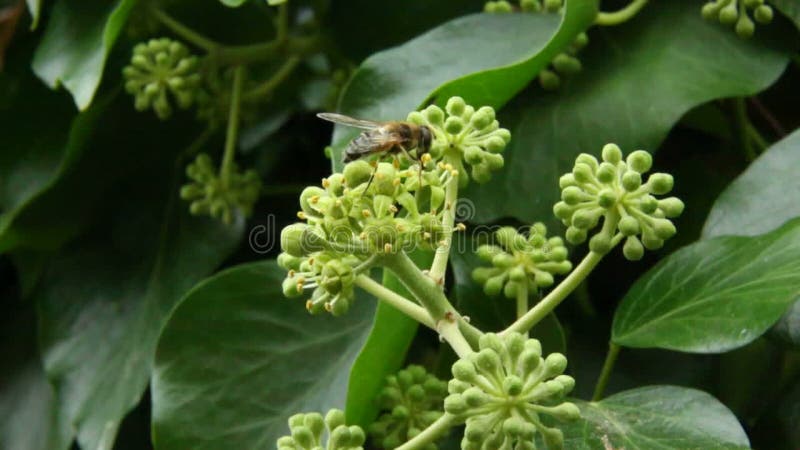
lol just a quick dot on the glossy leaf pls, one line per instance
(665, 62)
(115, 287)
(237, 358)
(390, 84)
(714, 295)
(788, 327)
(655, 417)
(76, 59)
(29, 417)
(762, 198)
(383, 353)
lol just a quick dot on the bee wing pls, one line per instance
(349, 121)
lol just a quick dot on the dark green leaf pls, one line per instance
(714, 295)
(655, 417)
(638, 80)
(29, 417)
(790, 8)
(104, 299)
(495, 313)
(75, 45)
(390, 84)
(236, 359)
(761, 199)
(383, 352)
(788, 327)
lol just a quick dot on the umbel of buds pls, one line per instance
(219, 196)
(504, 6)
(162, 71)
(307, 429)
(613, 189)
(735, 13)
(503, 390)
(463, 134)
(521, 261)
(412, 400)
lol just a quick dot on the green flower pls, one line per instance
(520, 261)
(212, 194)
(735, 13)
(413, 400)
(331, 275)
(614, 191)
(503, 389)
(162, 71)
(464, 135)
(307, 429)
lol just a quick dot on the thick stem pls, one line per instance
(439, 266)
(421, 287)
(282, 24)
(618, 17)
(556, 296)
(522, 300)
(244, 54)
(605, 373)
(396, 300)
(267, 87)
(436, 430)
(452, 334)
(232, 136)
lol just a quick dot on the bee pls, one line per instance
(383, 137)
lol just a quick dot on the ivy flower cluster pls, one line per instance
(413, 401)
(220, 195)
(614, 191)
(737, 13)
(162, 71)
(503, 390)
(519, 261)
(307, 430)
(566, 63)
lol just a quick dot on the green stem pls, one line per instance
(434, 431)
(232, 135)
(740, 112)
(451, 333)
(282, 24)
(439, 266)
(275, 80)
(396, 300)
(244, 54)
(185, 32)
(605, 373)
(618, 17)
(556, 296)
(756, 137)
(522, 300)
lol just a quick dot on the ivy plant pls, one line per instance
(535, 224)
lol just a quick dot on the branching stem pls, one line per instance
(439, 266)
(436, 430)
(396, 300)
(522, 300)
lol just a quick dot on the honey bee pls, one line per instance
(383, 137)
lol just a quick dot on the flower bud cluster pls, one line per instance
(216, 195)
(735, 13)
(564, 64)
(162, 71)
(613, 189)
(518, 261)
(503, 389)
(462, 135)
(307, 429)
(412, 400)
(361, 212)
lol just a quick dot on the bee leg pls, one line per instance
(419, 162)
(371, 176)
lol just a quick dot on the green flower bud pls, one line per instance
(763, 14)
(566, 64)
(640, 161)
(631, 180)
(294, 240)
(633, 249)
(660, 183)
(672, 206)
(549, 80)
(357, 172)
(611, 153)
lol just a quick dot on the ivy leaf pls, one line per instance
(663, 417)
(714, 295)
(391, 83)
(662, 64)
(29, 417)
(76, 59)
(384, 351)
(790, 8)
(115, 286)
(758, 201)
(236, 359)
(762, 198)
